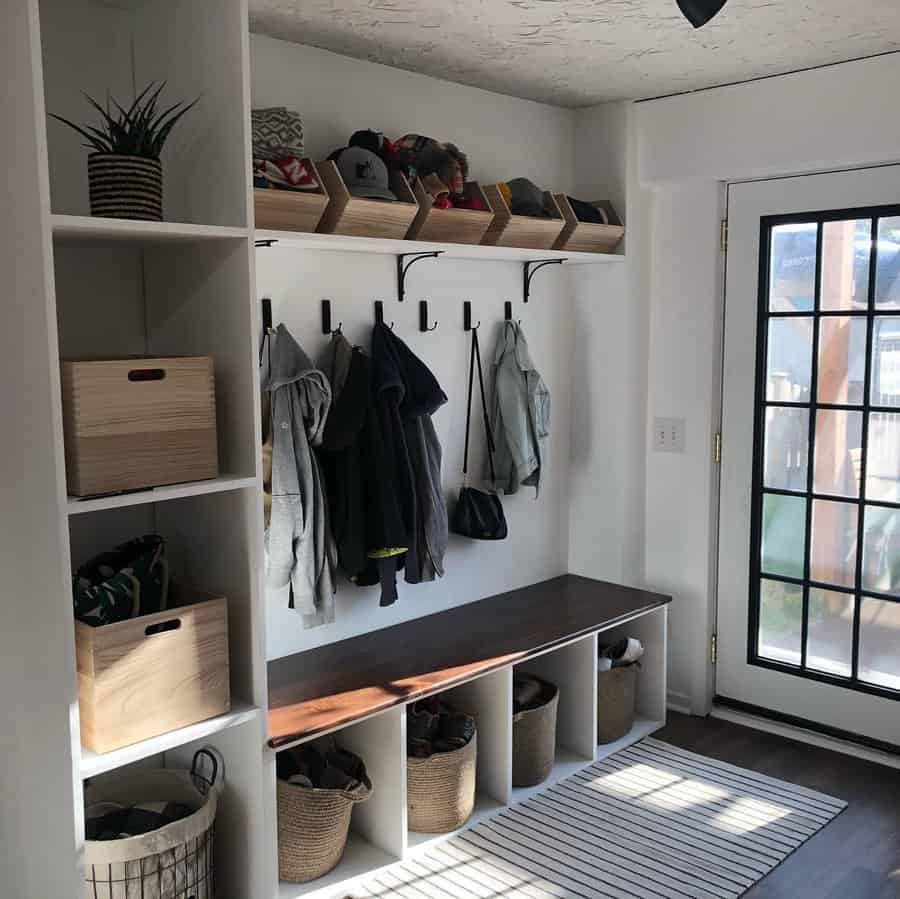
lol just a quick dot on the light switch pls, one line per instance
(668, 435)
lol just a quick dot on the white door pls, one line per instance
(809, 548)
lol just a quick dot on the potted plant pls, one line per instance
(124, 171)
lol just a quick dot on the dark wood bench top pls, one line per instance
(320, 689)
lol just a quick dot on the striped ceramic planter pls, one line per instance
(125, 187)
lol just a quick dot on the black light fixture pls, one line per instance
(699, 12)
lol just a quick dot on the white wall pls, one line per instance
(687, 147)
(537, 546)
(504, 137)
(608, 434)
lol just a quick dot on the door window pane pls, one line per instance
(886, 362)
(846, 255)
(833, 551)
(783, 535)
(879, 637)
(838, 452)
(792, 277)
(787, 448)
(780, 621)
(842, 360)
(883, 457)
(829, 640)
(789, 368)
(881, 551)
(887, 274)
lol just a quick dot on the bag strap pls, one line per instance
(475, 356)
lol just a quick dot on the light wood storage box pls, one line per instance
(466, 226)
(153, 674)
(585, 237)
(530, 232)
(139, 422)
(361, 217)
(290, 210)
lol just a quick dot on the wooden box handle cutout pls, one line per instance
(172, 625)
(146, 374)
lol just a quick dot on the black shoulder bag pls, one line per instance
(479, 515)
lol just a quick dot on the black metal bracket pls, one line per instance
(266, 243)
(529, 272)
(467, 317)
(507, 311)
(423, 317)
(326, 319)
(403, 267)
(266, 315)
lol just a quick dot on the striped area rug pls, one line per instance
(652, 821)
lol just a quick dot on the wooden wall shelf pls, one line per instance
(361, 217)
(467, 226)
(585, 237)
(334, 685)
(509, 230)
(290, 210)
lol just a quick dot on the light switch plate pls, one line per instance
(668, 435)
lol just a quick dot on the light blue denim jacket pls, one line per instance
(520, 413)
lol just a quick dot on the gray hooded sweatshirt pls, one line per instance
(300, 551)
(520, 413)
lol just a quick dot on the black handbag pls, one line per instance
(479, 514)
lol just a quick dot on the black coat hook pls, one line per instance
(507, 311)
(266, 315)
(403, 268)
(467, 317)
(423, 317)
(530, 272)
(379, 313)
(326, 319)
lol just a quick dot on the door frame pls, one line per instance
(864, 203)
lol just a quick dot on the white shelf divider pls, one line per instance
(222, 484)
(93, 764)
(344, 244)
(88, 228)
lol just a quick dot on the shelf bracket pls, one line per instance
(403, 267)
(529, 272)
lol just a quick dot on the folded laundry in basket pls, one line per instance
(109, 821)
(626, 651)
(325, 767)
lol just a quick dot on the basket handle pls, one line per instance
(146, 374)
(207, 782)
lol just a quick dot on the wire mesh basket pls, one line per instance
(172, 862)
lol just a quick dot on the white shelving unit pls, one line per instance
(79, 286)
(379, 831)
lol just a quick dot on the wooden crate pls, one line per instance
(449, 225)
(139, 422)
(508, 230)
(585, 237)
(150, 675)
(290, 210)
(361, 217)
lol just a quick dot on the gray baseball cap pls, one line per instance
(364, 173)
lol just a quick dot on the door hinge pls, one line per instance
(718, 448)
(723, 236)
(713, 650)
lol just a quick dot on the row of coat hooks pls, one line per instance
(530, 269)
(327, 328)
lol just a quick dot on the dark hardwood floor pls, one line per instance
(857, 856)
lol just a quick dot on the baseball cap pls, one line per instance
(364, 173)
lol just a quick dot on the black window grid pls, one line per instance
(869, 313)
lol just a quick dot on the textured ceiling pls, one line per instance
(580, 52)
